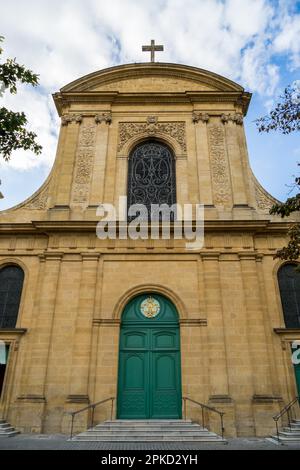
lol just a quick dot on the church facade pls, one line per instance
(147, 321)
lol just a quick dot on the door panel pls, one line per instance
(164, 339)
(166, 400)
(133, 386)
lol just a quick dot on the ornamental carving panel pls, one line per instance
(84, 163)
(263, 200)
(39, 202)
(219, 165)
(176, 130)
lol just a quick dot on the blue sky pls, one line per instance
(253, 42)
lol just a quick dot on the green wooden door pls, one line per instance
(149, 380)
(297, 372)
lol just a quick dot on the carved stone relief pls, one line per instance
(71, 117)
(103, 117)
(175, 129)
(264, 201)
(84, 163)
(204, 117)
(219, 166)
(39, 201)
(236, 117)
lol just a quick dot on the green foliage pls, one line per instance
(292, 250)
(292, 204)
(13, 132)
(14, 135)
(285, 117)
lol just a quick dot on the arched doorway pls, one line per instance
(149, 378)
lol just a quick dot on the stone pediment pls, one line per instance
(152, 77)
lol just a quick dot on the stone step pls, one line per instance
(145, 433)
(9, 434)
(6, 430)
(146, 425)
(289, 433)
(293, 429)
(149, 431)
(147, 438)
(286, 439)
(149, 422)
(4, 425)
(167, 428)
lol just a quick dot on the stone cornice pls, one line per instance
(117, 321)
(106, 321)
(32, 398)
(83, 89)
(144, 69)
(287, 336)
(65, 99)
(288, 332)
(253, 226)
(12, 331)
(193, 321)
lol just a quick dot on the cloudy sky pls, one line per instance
(253, 42)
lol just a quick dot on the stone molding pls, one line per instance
(151, 128)
(78, 399)
(32, 398)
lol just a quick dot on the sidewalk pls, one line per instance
(60, 442)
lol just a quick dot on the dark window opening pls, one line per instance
(11, 284)
(152, 179)
(289, 286)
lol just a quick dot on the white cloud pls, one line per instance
(42, 119)
(288, 39)
(63, 40)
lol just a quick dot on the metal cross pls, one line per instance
(153, 48)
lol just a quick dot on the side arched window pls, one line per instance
(11, 284)
(151, 175)
(289, 286)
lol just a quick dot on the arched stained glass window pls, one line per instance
(11, 283)
(151, 176)
(289, 285)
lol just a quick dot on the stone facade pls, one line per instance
(64, 351)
